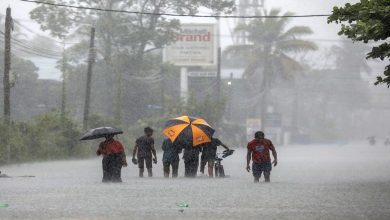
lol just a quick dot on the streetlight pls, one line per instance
(230, 103)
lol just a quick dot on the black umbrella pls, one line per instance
(100, 133)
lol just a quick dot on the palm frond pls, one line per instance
(280, 23)
(296, 45)
(270, 41)
(267, 29)
(296, 31)
(351, 56)
(366, 68)
(239, 49)
(289, 66)
(242, 27)
(250, 70)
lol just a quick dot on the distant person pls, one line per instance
(4, 175)
(209, 152)
(114, 158)
(191, 160)
(387, 142)
(170, 157)
(372, 140)
(258, 151)
(146, 153)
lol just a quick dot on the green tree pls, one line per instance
(350, 57)
(269, 51)
(367, 20)
(48, 136)
(124, 41)
(136, 34)
(31, 96)
(350, 64)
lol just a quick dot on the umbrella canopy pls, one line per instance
(188, 129)
(100, 133)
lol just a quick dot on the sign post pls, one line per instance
(184, 84)
(273, 126)
(252, 125)
(194, 45)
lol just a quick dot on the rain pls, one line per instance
(165, 109)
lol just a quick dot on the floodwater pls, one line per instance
(349, 181)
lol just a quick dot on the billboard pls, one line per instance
(273, 120)
(202, 74)
(194, 45)
(252, 125)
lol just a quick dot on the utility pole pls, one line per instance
(218, 41)
(218, 84)
(7, 67)
(118, 99)
(246, 7)
(219, 51)
(6, 83)
(91, 61)
(64, 81)
(230, 101)
(162, 91)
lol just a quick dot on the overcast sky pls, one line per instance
(322, 30)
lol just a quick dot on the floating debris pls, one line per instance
(182, 205)
(4, 205)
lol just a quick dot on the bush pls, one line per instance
(50, 136)
(46, 137)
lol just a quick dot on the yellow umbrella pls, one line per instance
(189, 130)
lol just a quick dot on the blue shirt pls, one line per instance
(171, 151)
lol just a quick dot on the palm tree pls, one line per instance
(350, 58)
(268, 53)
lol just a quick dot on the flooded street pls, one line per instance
(311, 182)
(156, 78)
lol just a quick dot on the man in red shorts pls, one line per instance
(258, 150)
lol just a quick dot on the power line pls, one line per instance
(22, 49)
(309, 39)
(25, 47)
(42, 36)
(38, 49)
(215, 35)
(174, 15)
(33, 50)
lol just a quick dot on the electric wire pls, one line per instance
(173, 14)
(20, 25)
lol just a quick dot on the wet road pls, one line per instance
(311, 182)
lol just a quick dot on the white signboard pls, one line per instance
(252, 126)
(202, 74)
(195, 45)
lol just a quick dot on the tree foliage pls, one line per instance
(128, 48)
(30, 96)
(135, 33)
(367, 20)
(271, 42)
(350, 57)
(47, 136)
(269, 54)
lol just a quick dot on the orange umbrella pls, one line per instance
(189, 130)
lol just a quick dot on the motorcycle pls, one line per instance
(218, 167)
